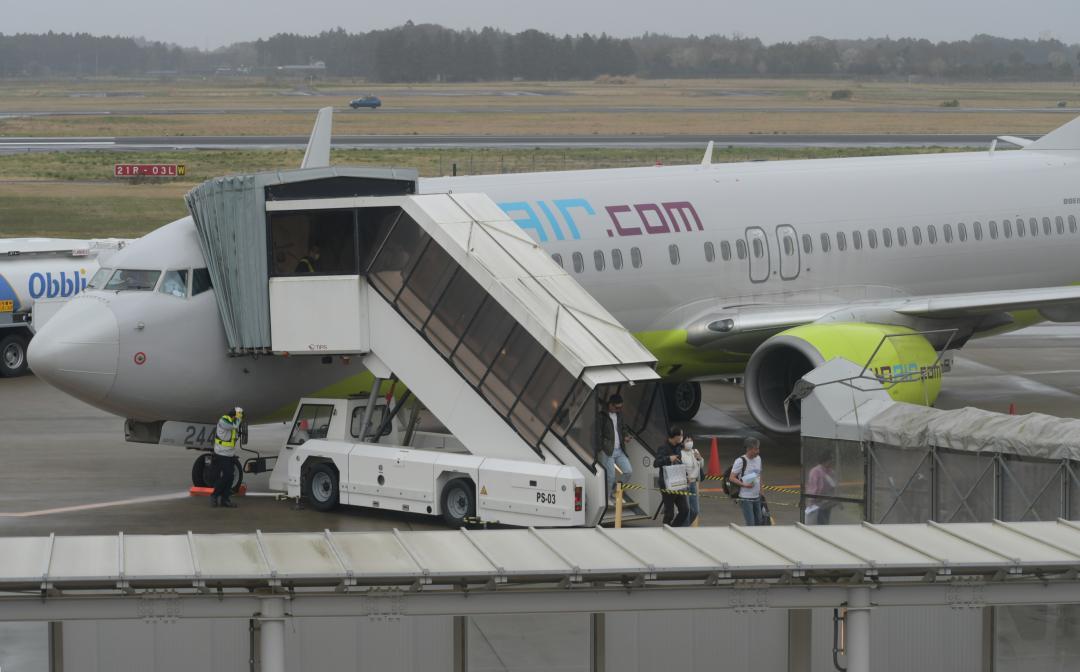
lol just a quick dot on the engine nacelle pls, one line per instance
(905, 363)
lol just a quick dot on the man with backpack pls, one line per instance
(745, 477)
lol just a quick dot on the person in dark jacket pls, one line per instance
(612, 452)
(667, 454)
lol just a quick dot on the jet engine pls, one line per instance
(902, 359)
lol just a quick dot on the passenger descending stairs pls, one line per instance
(496, 339)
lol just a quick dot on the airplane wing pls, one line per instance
(748, 325)
(318, 147)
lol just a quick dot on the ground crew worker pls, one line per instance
(309, 263)
(221, 465)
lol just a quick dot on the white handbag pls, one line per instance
(674, 477)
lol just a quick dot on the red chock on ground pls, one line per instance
(206, 492)
(714, 461)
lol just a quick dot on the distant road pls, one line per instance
(11, 145)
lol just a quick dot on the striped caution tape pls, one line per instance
(635, 486)
(770, 488)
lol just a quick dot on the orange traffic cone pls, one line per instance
(714, 461)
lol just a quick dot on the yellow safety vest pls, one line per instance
(232, 436)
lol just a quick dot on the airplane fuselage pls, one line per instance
(659, 247)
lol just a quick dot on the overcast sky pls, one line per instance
(212, 23)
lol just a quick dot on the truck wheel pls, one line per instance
(12, 356)
(458, 502)
(200, 471)
(321, 485)
(683, 400)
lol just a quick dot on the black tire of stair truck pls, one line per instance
(13, 356)
(458, 502)
(321, 486)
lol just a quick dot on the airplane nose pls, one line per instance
(77, 350)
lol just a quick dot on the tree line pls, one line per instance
(427, 52)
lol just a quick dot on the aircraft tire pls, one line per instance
(12, 356)
(683, 400)
(458, 502)
(201, 477)
(200, 471)
(321, 487)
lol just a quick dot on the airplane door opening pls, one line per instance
(760, 256)
(787, 242)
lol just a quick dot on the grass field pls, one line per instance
(72, 194)
(258, 107)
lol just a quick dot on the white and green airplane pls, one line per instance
(753, 270)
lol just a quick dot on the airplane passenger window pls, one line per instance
(200, 281)
(635, 257)
(175, 284)
(1006, 228)
(557, 258)
(740, 248)
(961, 231)
(948, 232)
(1060, 222)
(710, 252)
(759, 249)
(616, 259)
(789, 246)
(886, 237)
(1034, 226)
(1047, 226)
(598, 259)
(725, 250)
(825, 242)
(841, 241)
(807, 243)
(992, 225)
(1072, 223)
(916, 235)
(133, 281)
(901, 236)
(856, 239)
(976, 228)
(673, 252)
(931, 234)
(871, 238)
(1020, 230)
(579, 263)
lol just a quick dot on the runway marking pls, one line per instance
(98, 505)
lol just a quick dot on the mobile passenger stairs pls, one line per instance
(447, 295)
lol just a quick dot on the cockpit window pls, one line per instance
(129, 280)
(99, 279)
(200, 281)
(175, 284)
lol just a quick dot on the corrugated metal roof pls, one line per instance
(538, 556)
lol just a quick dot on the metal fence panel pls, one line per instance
(964, 483)
(1031, 490)
(900, 485)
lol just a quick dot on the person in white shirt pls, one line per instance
(694, 463)
(746, 473)
(612, 450)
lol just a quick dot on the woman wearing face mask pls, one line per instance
(694, 463)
